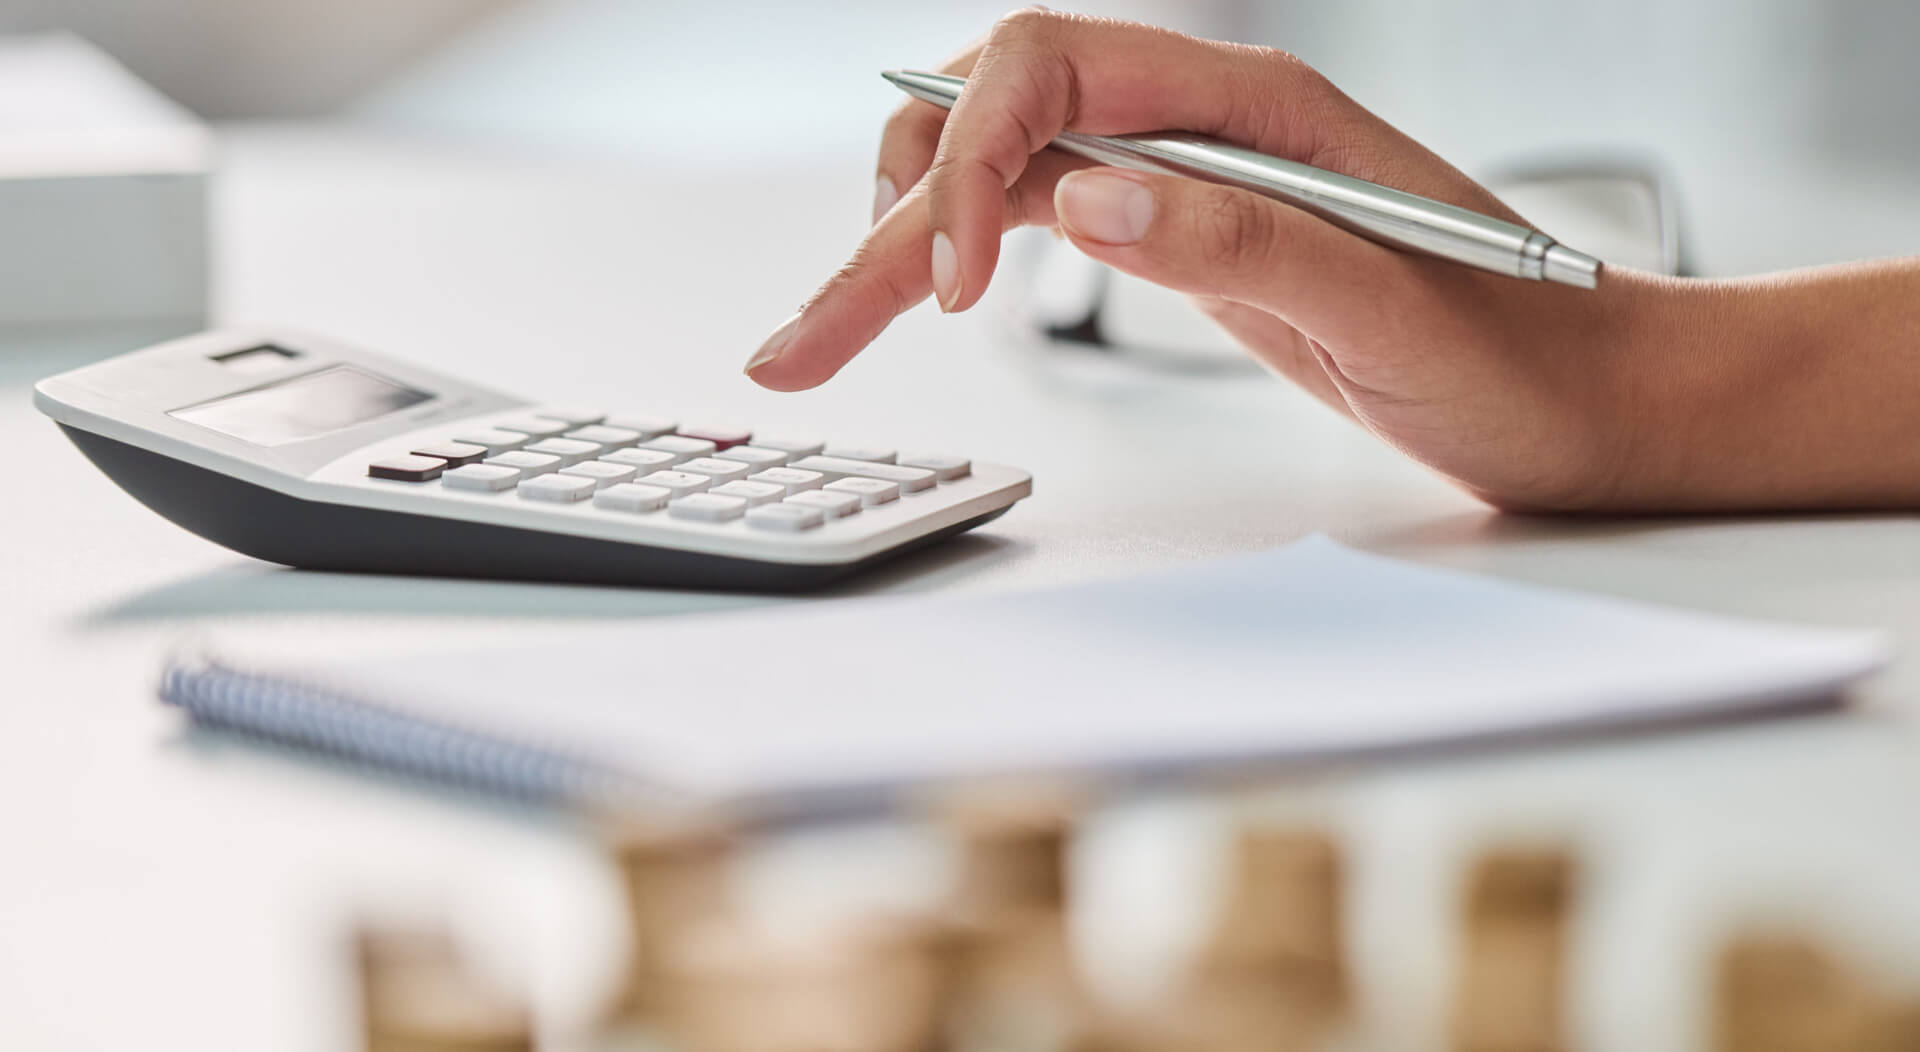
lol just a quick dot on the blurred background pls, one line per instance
(1753, 109)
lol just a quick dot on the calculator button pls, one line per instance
(456, 454)
(679, 483)
(721, 437)
(944, 468)
(409, 468)
(496, 440)
(705, 507)
(832, 505)
(681, 447)
(610, 437)
(786, 518)
(910, 479)
(574, 417)
(644, 459)
(648, 426)
(528, 464)
(535, 426)
(870, 491)
(571, 451)
(758, 458)
(560, 489)
(628, 496)
(874, 454)
(792, 479)
(602, 473)
(481, 478)
(754, 493)
(721, 470)
(794, 448)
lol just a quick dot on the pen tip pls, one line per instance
(893, 76)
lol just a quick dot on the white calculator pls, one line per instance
(301, 451)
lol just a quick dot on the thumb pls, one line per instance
(1219, 241)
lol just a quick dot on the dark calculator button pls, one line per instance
(410, 468)
(456, 454)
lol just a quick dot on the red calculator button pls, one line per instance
(721, 437)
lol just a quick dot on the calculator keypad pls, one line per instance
(652, 466)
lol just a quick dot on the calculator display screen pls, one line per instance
(303, 407)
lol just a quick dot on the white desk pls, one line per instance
(170, 890)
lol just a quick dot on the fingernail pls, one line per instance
(946, 271)
(884, 197)
(776, 343)
(1103, 207)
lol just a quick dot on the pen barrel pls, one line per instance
(1378, 213)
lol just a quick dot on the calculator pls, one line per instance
(302, 451)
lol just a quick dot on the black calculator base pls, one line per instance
(273, 526)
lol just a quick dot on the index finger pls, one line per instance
(1042, 73)
(887, 275)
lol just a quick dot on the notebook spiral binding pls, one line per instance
(329, 720)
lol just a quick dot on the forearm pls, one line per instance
(1790, 391)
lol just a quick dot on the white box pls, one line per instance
(103, 194)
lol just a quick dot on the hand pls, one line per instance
(1530, 395)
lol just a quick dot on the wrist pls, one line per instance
(1783, 392)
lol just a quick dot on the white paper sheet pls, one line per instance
(1304, 652)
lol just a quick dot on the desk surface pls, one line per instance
(168, 889)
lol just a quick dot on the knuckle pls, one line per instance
(1298, 74)
(946, 167)
(870, 287)
(1024, 23)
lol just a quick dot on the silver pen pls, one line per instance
(1378, 213)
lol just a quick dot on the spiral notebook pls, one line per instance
(1309, 652)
